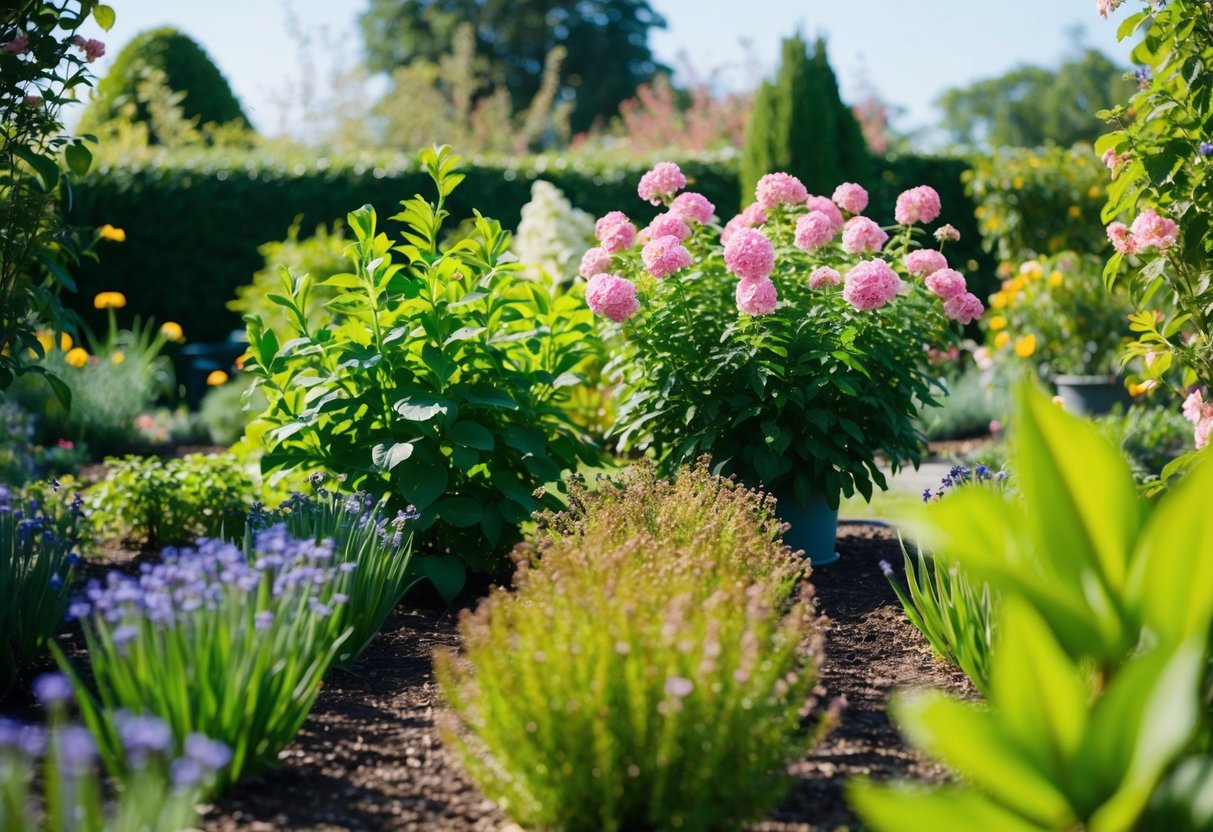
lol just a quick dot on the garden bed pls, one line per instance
(370, 757)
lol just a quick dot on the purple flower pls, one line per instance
(142, 735)
(186, 774)
(52, 689)
(1206, 148)
(886, 569)
(74, 749)
(211, 754)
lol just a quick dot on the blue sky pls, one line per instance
(908, 51)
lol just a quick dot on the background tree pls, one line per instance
(608, 55)
(800, 125)
(172, 58)
(1031, 106)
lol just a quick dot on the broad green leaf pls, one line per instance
(104, 15)
(421, 483)
(79, 158)
(899, 808)
(471, 435)
(446, 573)
(387, 457)
(44, 166)
(458, 511)
(420, 408)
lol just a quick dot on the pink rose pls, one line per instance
(756, 297)
(813, 230)
(92, 48)
(919, 204)
(19, 45)
(823, 277)
(779, 189)
(665, 255)
(870, 284)
(925, 261)
(1152, 231)
(667, 225)
(861, 236)
(753, 215)
(595, 261)
(946, 283)
(615, 231)
(611, 297)
(1122, 239)
(749, 255)
(827, 207)
(1195, 408)
(692, 207)
(946, 232)
(851, 198)
(664, 180)
(963, 308)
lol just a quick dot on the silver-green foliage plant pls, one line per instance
(652, 669)
(441, 386)
(1097, 714)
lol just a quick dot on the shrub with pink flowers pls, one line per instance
(791, 343)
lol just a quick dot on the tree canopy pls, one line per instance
(608, 55)
(1031, 106)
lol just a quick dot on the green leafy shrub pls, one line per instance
(441, 388)
(971, 404)
(1098, 708)
(158, 502)
(185, 67)
(650, 672)
(1150, 435)
(36, 562)
(225, 411)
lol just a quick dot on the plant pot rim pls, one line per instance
(1074, 378)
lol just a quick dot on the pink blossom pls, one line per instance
(756, 297)
(19, 45)
(611, 297)
(749, 255)
(963, 308)
(1203, 429)
(1152, 231)
(827, 207)
(664, 180)
(813, 230)
(851, 198)
(925, 261)
(1122, 239)
(615, 231)
(824, 276)
(946, 283)
(668, 225)
(751, 216)
(780, 189)
(870, 284)
(1106, 7)
(861, 236)
(919, 204)
(1196, 408)
(946, 232)
(32, 100)
(595, 261)
(692, 207)
(92, 48)
(665, 255)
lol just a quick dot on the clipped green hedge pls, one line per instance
(193, 228)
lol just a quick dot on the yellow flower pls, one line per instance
(109, 232)
(1094, 192)
(243, 359)
(76, 357)
(118, 357)
(998, 322)
(44, 338)
(216, 378)
(65, 341)
(998, 301)
(109, 300)
(1142, 388)
(1017, 182)
(172, 331)
(1002, 339)
(1074, 211)
(1025, 345)
(1055, 279)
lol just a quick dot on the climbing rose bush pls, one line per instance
(790, 343)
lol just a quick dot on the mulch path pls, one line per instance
(370, 757)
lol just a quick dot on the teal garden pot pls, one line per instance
(814, 525)
(1090, 395)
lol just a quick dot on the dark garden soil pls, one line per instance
(370, 757)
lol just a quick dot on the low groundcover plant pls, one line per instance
(787, 344)
(640, 681)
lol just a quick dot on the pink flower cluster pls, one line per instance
(870, 284)
(92, 48)
(753, 215)
(615, 231)
(1115, 161)
(19, 45)
(862, 236)
(1106, 7)
(668, 225)
(1200, 413)
(665, 255)
(780, 189)
(964, 307)
(925, 261)
(692, 207)
(823, 277)
(946, 232)
(946, 283)
(813, 230)
(919, 204)
(756, 296)
(611, 297)
(749, 255)
(1149, 230)
(851, 197)
(664, 180)
(827, 207)
(595, 261)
